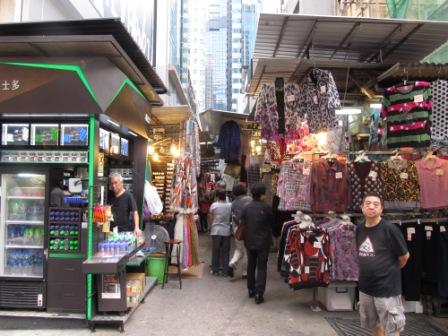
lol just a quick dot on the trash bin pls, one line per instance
(156, 267)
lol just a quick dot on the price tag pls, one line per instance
(442, 229)
(338, 175)
(315, 100)
(404, 176)
(323, 89)
(418, 98)
(373, 175)
(307, 269)
(428, 235)
(317, 245)
(306, 171)
(290, 98)
(428, 228)
(411, 230)
(439, 172)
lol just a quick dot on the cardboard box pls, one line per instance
(139, 277)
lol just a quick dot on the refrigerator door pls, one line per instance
(22, 218)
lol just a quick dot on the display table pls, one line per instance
(114, 299)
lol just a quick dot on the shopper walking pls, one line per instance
(241, 199)
(220, 217)
(382, 252)
(257, 218)
(204, 208)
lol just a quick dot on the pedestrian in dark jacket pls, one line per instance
(257, 218)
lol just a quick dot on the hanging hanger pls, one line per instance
(307, 223)
(298, 216)
(430, 155)
(362, 157)
(405, 76)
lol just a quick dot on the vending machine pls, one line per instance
(23, 207)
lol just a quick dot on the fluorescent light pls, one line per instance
(132, 133)
(29, 115)
(376, 106)
(113, 123)
(348, 111)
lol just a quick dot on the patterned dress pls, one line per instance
(364, 178)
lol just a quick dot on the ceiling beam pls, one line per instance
(403, 40)
(280, 35)
(384, 43)
(301, 50)
(346, 37)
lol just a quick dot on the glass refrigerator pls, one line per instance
(22, 225)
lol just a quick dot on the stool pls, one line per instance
(169, 245)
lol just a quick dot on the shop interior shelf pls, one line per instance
(26, 197)
(25, 222)
(25, 246)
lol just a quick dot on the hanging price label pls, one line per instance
(442, 229)
(290, 98)
(439, 172)
(404, 176)
(306, 171)
(315, 100)
(373, 175)
(418, 98)
(338, 175)
(323, 89)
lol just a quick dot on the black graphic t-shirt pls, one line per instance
(378, 250)
(123, 208)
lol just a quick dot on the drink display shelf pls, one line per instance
(26, 197)
(25, 222)
(24, 246)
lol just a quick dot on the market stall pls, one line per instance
(67, 122)
(337, 118)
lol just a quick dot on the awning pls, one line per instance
(87, 38)
(170, 115)
(346, 38)
(211, 120)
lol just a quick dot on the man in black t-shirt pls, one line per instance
(124, 208)
(382, 252)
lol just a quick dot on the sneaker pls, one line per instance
(244, 276)
(230, 272)
(214, 273)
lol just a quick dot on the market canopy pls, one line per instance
(212, 120)
(385, 41)
(356, 50)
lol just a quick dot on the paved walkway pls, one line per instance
(217, 306)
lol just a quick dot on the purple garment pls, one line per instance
(344, 254)
(294, 186)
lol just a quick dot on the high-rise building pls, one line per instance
(193, 51)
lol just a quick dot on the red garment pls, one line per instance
(308, 254)
(329, 187)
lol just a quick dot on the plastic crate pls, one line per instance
(338, 296)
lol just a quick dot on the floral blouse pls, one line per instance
(319, 98)
(294, 186)
(400, 183)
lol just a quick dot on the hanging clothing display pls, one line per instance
(319, 99)
(343, 251)
(253, 175)
(439, 129)
(185, 192)
(294, 186)
(363, 178)
(189, 141)
(329, 186)
(267, 114)
(400, 184)
(433, 180)
(407, 110)
(229, 141)
(307, 257)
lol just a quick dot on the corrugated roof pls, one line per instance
(346, 38)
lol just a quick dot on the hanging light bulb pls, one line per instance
(155, 157)
(321, 138)
(252, 143)
(151, 150)
(173, 150)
